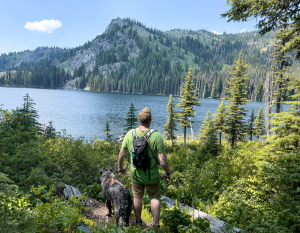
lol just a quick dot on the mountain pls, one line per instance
(130, 57)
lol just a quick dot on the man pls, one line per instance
(139, 178)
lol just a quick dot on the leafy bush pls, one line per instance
(113, 228)
(6, 185)
(94, 191)
(174, 217)
(55, 214)
(16, 216)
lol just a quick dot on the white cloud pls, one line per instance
(43, 26)
(215, 32)
(244, 30)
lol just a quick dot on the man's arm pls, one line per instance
(121, 161)
(165, 165)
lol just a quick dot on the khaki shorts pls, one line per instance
(153, 190)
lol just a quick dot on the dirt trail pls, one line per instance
(97, 212)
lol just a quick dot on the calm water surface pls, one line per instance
(84, 113)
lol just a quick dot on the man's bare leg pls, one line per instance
(137, 205)
(155, 209)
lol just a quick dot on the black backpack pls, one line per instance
(141, 159)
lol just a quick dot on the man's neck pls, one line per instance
(143, 127)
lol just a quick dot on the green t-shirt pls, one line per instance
(157, 144)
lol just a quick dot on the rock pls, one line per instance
(71, 191)
(71, 84)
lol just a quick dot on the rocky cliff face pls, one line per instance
(36, 55)
(102, 42)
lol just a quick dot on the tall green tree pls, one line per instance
(280, 66)
(271, 15)
(236, 94)
(219, 119)
(170, 126)
(250, 128)
(187, 102)
(131, 119)
(207, 131)
(259, 128)
(287, 124)
(107, 131)
(30, 121)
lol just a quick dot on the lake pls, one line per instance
(84, 113)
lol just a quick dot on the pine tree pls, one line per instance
(170, 126)
(281, 63)
(30, 113)
(50, 131)
(237, 90)
(131, 119)
(259, 128)
(187, 102)
(207, 131)
(219, 119)
(106, 131)
(251, 125)
(287, 124)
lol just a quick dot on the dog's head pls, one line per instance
(105, 174)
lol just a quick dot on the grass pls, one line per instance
(147, 216)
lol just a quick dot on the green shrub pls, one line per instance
(16, 215)
(173, 217)
(113, 228)
(55, 214)
(94, 191)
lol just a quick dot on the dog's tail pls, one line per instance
(124, 213)
(128, 214)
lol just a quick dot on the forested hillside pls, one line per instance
(130, 57)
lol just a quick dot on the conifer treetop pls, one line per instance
(188, 100)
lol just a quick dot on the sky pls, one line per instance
(70, 23)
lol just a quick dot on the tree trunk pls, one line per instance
(184, 136)
(220, 137)
(191, 129)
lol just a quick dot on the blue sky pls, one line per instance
(77, 21)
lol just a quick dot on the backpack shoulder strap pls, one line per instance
(152, 130)
(134, 135)
(148, 134)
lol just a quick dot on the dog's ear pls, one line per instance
(111, 170)
(101, 172)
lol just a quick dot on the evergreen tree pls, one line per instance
(106, 131)
(50, 131)
(30, 112)
(131, 119)
(170, 126)
(287, 124)
(219, 119)
(187, 102)
(207, 132)
(281, 63)
(251, 124)
(237, 90)
(259, 128)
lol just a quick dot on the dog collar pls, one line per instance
(109, 179)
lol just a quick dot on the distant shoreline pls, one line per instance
(111, 92)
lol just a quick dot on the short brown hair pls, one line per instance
(145, 116)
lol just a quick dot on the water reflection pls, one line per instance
(84, 113)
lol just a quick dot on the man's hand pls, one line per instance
(121, 171)
(166, 177)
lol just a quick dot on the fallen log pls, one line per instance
(216, 225)
(71, 191)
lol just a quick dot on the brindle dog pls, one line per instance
(115, 192)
